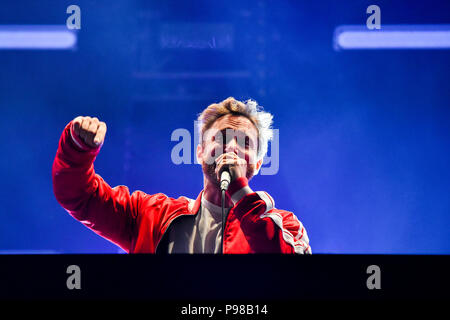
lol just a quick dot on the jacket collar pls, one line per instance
(193, 208)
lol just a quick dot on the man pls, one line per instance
(234, 138)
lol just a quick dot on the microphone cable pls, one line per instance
(223, 217)
(225, 180)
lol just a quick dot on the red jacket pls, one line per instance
(137, 222)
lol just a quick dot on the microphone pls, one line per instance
(225, 180)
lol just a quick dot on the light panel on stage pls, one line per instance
(37, 37)
(353, 37)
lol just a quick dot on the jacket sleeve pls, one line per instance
(110, 212)
(266, 229)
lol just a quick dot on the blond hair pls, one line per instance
(250, 109)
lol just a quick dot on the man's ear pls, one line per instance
(199, 154)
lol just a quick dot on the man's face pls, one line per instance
(230, 133)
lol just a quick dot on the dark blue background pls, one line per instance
(364, 135)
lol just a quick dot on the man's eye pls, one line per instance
(248, 142)
(243, 142)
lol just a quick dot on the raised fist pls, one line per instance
(91, 130)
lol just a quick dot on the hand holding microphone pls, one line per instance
(229, 167)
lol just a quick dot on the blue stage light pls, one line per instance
(37, 37)
(392, 37)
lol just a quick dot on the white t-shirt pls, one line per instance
(201, 233)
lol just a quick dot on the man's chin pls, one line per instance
(209, 171)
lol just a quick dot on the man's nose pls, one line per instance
(231, 146)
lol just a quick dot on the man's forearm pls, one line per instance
(265, 229)
(73, 172)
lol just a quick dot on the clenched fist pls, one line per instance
(91, 130)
